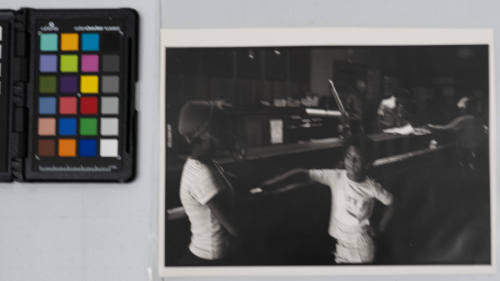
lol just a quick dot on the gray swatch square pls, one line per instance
(110, 84)
(109, 105)
(110, 63)
(109, 126)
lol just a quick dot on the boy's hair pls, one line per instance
(363, 144)
(198, 117)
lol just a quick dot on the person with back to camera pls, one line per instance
(472, 134)
(353, 200)
(206, 194)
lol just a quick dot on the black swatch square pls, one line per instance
(111, 42)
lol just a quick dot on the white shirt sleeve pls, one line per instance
(205, 186)
(325, 176)
(381, 194)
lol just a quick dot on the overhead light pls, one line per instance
(465, 53)
(251, 54)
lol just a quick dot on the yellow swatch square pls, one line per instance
(89, 84)
(69, 41)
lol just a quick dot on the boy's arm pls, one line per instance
(295, 175)
(386, 198)
(223, 214)
(386, 217)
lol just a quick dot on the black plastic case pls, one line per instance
(19, 66)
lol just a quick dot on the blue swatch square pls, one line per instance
(87, 148)
(48, 41)
(48, 63)
(47, 105)
(67, 126)
(90, 42)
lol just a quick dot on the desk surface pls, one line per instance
(269, 151)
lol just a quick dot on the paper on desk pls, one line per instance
(404, 130)
(407, 129)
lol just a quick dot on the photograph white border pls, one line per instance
(282, 37)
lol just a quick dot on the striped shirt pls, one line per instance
(199, 184)
(352, 202)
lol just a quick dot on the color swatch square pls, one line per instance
(48, 63)
(69, 42)
(48, 42)
(109, 126)
(88, 126)
(69, 63)
(89, 84)
(46, 126)
(87, 148)
(67, 126)
(68, 84)
(46, 148)
(110, 84)
(47, 105)
(88, 105)
(109, 105)
(47, 84)
(66, 148)
(110, 63)
(67, 105)
(90, 63)
(90, 42)
(109, 148)
(110, 42)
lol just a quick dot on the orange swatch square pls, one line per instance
(69, 42)
(67, 148)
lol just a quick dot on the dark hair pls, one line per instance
(363, 144)
(197, 117)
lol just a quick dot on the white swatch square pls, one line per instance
(109, 148)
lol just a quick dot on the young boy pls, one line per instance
(205, 193)
(353, 199)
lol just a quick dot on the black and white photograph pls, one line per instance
(365, 154)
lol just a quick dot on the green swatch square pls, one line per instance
(88, 126)
(69, 63)
(48, 84)
(48, 42)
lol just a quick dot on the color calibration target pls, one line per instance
(4, 106)
(78, 95)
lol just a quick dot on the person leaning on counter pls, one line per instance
(205, 193)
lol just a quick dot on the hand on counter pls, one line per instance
(256, 190)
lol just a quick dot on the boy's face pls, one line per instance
(354, 164)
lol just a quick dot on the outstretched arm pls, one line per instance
(295, 175)
(453, 125)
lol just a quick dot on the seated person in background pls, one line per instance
(205, 192)
(353, 200)
(471, 132)
(391, 113)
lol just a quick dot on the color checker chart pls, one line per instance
(4, 104)
(78, 101)
(82, 111)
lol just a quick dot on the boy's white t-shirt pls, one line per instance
(352, 202)
(199, 184)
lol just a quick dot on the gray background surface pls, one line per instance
(61, 232)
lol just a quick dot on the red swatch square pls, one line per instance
(67, 105)
(88, 105)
